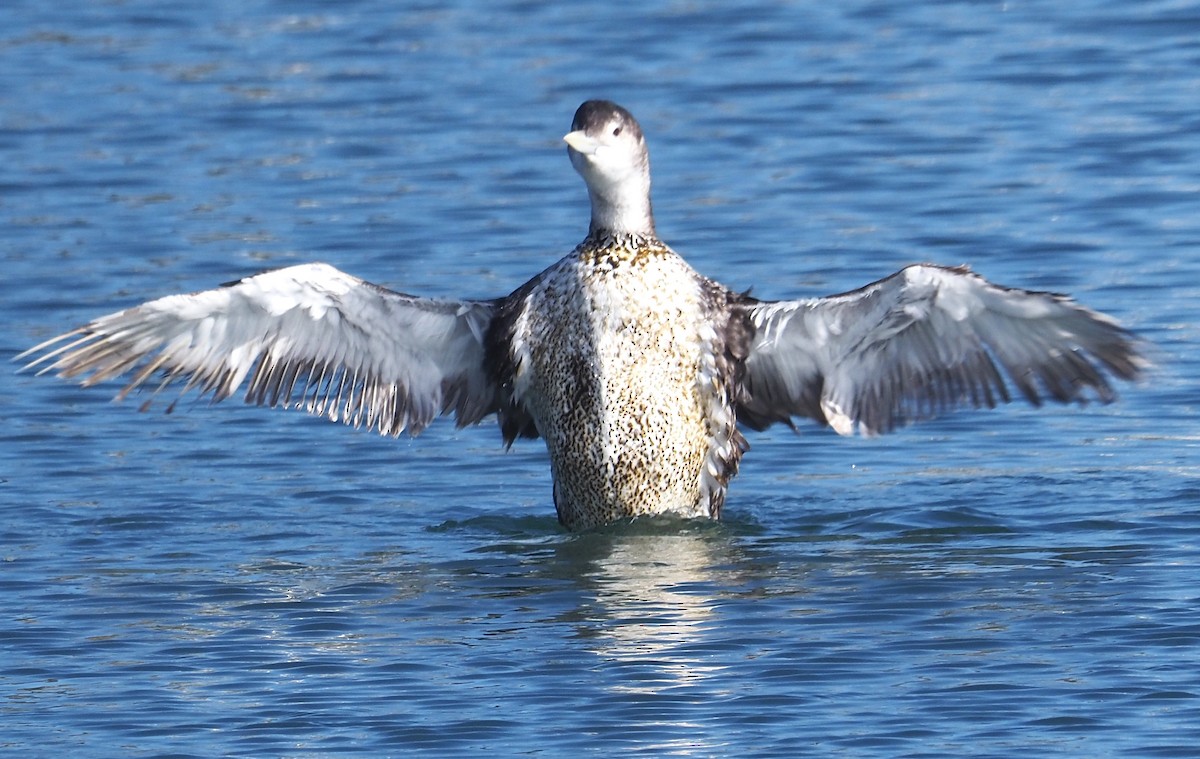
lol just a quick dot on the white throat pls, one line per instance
(619, 192)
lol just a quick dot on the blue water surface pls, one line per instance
(231, 581)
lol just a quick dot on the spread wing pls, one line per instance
(307, 336)
(923, 341)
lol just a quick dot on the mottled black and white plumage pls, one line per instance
(636, 370)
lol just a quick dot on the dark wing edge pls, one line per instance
(502, 365)
(922, 342)
(308, 337)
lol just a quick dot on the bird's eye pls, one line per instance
(616, 131)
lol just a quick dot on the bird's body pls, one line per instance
(636, 370)
(617, 354)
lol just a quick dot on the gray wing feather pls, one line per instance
(923, 341)
(307, 336)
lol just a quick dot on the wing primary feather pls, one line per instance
(113, 367)
(399, 416)
(93, 358)
(175, 373)
(143, 375)
(333, 396)
(370, 401)
(366, 400)
(314, 406)
(1023, 379)
(1053, 381)
(297, 370)
(353, 413)
(169, 376)
(287, 379)
(86, 330)
(310, 375)
(88, 336)
(223, 387)
(338, 408)
(255, 390)
(273, 382)
(383, 409)
(208, 380)
(283, 380)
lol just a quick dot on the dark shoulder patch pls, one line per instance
(728, 311)
(501, 368)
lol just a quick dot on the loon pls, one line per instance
(638, 372)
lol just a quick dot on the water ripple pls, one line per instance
(225, 581)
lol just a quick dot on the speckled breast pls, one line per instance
(611, 372)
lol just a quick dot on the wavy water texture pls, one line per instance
(232, 581)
